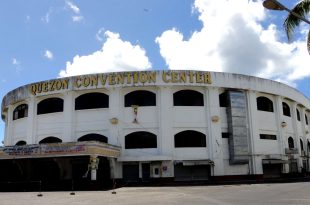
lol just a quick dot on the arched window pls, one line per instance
(92, 101)
(93, 137)
(188, 98)
(301, 145)
(264, 104)
(20, 143)
(223, 100)
(50, 105)
(298, 114)
(190, 138)
(290, 143)
(140, 98)
(50, 140)
(286, 109)
(20, 111)
(306, 119)
(138, 140)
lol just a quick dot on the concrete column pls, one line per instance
(93, 164)
(280, 130)
(214, 136)
(69, 112)
(9, 131)
(6, 131)
(255, 161)
(294, 123)
(165, 107)
(114, 116)
(31, 120)
(296, 136)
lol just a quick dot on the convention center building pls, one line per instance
(153, 127)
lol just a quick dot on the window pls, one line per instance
(50, 140)
(268, 137)
(223, 99)
(225, 135)
(20, 111)
(93, 137)
(190, 138)
(188, 98)
(139, 140)
(301, 145)
(290, 143)
(308, 144)
(306, 119)
(286, 109)
(140, 98)
(264, 104)
(20, 143)
(92, 101)
(50, 105)
(298, 114)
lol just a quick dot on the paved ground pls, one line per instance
(284, 194)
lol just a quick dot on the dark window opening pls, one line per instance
(48, 140)
(306, 119)
(286, 109)
(298, 114)
(92, 101)
(139, 140)
(308, 146)
(290, 143)
(93, 137)
(225, 135)
(264, 104)
(140, 98)
(301, 145)
(188, 98)
(156, 171)
(20, 143)
(268, 137)
(20, 111)
(190, 138)
(223, 99)
(50, 105)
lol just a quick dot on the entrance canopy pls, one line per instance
(60, 150)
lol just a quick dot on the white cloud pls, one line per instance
(48, 54)
(28, 18)
(46, 18)
(77, 18)
(115, 55)
(233, 39)
(100, 35)
(17, 65)
(73, 7)
(15, 62)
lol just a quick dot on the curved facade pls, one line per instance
(177, 125)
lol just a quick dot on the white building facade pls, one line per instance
(159, 125)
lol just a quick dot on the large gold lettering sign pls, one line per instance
(49, 86)
(122, 78)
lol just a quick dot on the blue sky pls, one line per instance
(46, 39)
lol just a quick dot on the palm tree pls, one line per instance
(295, 16)
(292, 21)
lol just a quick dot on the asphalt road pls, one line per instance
(284, 194)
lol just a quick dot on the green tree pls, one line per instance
(292, 21)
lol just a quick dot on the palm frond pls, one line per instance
(308, 42)
(291, 22)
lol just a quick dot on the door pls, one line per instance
(146, 172)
